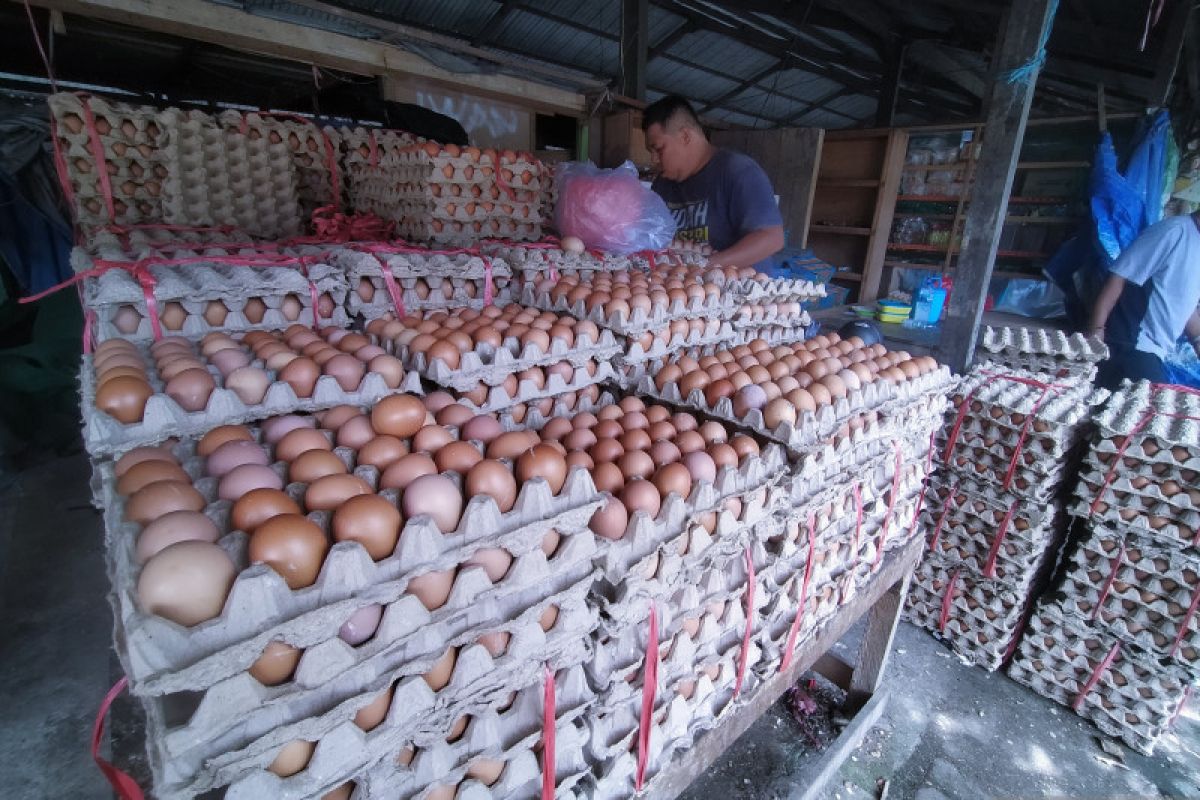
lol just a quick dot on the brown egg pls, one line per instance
(820, 394)
(637, 439)
(673, 478)
(257, 506)
(542, 461)
(330, 491)
(390, 368)
(277, 663)
(482, 428)
(124, 398)
(299, 441)
(835, 385)
(437, 497)
(186, 582)
(610, 520)
(512, 444)
(313, 464)
(439, 674)
(607, 477)
(246, 478)
(689, 442)
(700, 466)
(457, 457)
(233, 454)
(334, 418)
(641, 495)
(493, 479)
(294, 756)
(664, 452)
(495, 642)
(454, 415)
(292, 545)
(147, 472)
(176, 526)
(301, 374)
(486, 770)
(778, 412)
(275, 428)
(381, 452)
(370, 520)
(723, 455)
(162, 497)
(407, 469)
(140, 455)
(398, 415)
(744, 446)
(432, 588)
(636, 464)
(495, 561)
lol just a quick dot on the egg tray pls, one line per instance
(305, 145)
(1172, 419)
(645, 535)
(194, 286)
(1120, 491)
(161, 656)
(1133, 700)
(386, 144)
(1160, 525)
(1042, 341)
(512, 737)
(417, 717)
(163, 418)
(773, 319)
(1059, 369)
(458, 235)
(638, 321)
(774, 289)
(1067, 407)
(527, 391)
(636, 356)
(979, 505)
(239, 719)
(774, 335)
(538, 260)
(1033, 476)
(1056, 442)
(492, 365)
(140, 242)
(264, 192)
(468, 293)
(811, 428)
(357, 264)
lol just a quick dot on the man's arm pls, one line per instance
(751, 248)
(1192, 329)
(1105, 303)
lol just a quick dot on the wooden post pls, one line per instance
(889, 92)
(1025, 31)
(635, 21)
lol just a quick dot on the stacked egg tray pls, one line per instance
(678, 335)
(539, 265)
(548, 196)
(447, 194)
(538, 607)
(1054, 352)
(995, 517)
(423, 281)
(374, 146)
(1127, 692)
(196, 298)
(539, 387)
(241, 386)
(701, 631)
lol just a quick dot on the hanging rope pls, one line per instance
(1027, 73)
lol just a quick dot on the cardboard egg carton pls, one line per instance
(1160, 523)
(263, 191)
(773, 334)
(344, 751)
(512, 737)
(194, 286)
(161, 656)
(1020, 341)
(536, 262)
(638, 322)
(429, 294)
(1143, 492)
(1145, 411)
(140, 242)
(233, 725)
(498, 398)
(163, 418)
(1060, 369)
(774, 318)
(714, 333)
(1134, 699)
(754, 290)
(821, 603)
(1063, 407)
(982, 505)
(491, 365)
(381, 146)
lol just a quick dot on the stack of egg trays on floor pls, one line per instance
(210, 724)
(548, 194)
(862, 495)
(992, 547)
(314, 152)
(540, 266)
(1054, 352)
(372, 158)
(196, 298)
(425, 281)
(1124, 616)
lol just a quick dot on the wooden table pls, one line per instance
(881, 600)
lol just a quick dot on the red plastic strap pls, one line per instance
(649, 687)
(393, 289)
(89, 333)
(314, 297)
(1016, 457)
(1187, 695)
(331, 226)
(744, 657)
(1018, 633)
(1108, 584)
(858, 516)
(374, 158)
(1120, 455)
(887, 520)
(989, 567)
(487, 281)
(124, 786)
(549, 713)
(98, 154)
(60, 167)
(1187, 620)
(331, 163)
(37, 38)
(947, 602)
(941, 520)
(952, 437)
(146, 280)
(924, 479)
(1107, 661)
(808, 567)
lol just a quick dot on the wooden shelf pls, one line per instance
(997, 273)
(918, 248)
(946, 198)
(937, 248)
(1043, 201)
(927, 198)
(1054, 165)
(852, 277)
(922, 215)
(849, 230)
(1019, 220)
(848, 183)
(957, 166)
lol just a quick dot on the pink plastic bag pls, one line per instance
(610, 210)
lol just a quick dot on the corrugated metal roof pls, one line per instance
(721, 53)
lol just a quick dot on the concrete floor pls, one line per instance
(949, 731)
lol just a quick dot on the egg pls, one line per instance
(486, 770)
(548, 617)
(138, 455)
(496, 642)
(246, 478)
(275, 428)
(233, 454)
(673, 478)
(512, 444)
(371, 716)
(407, 469)
(361, 625)
(398, 415)
(571, 244)
(292, 757)
(432, 588)
(495, 561)
(301, 374)
(175, 526)
(124, 398)
(482, 428)
(369, 520)
(492, 479)
(330, 491)
(292, 545)
(381, 452)
(186, 582)
(437, 497)
(610, 520)
(257, 506)
(162, 497)
(147, 472)
(542, 461)
(439, 674)
(641, 495)
(311, 465)
(276, 664)
(299, 441)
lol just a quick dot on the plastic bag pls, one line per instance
(1032, 298)
(610, 210)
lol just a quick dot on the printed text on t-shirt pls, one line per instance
(691, 220)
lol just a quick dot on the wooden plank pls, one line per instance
(633, 47)
(885, 208)
(876, 645)
(816, 780)
(1172, 47)
(1008, 110)
(239, 30)
(693, 762)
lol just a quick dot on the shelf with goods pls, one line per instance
(857, 182)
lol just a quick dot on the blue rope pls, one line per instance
(1026, 72)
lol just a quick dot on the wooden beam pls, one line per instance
(635, 21)
(229, 27)
(889, 90)
(1024, 31)
(770, 69)
(1168, 58)
(491, 25)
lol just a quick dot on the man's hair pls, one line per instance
(668, 111)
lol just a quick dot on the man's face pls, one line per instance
(669, 151)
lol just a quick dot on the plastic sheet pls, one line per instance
(609, 209)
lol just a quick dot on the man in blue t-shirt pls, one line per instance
(1149, 301)
(718, 197)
